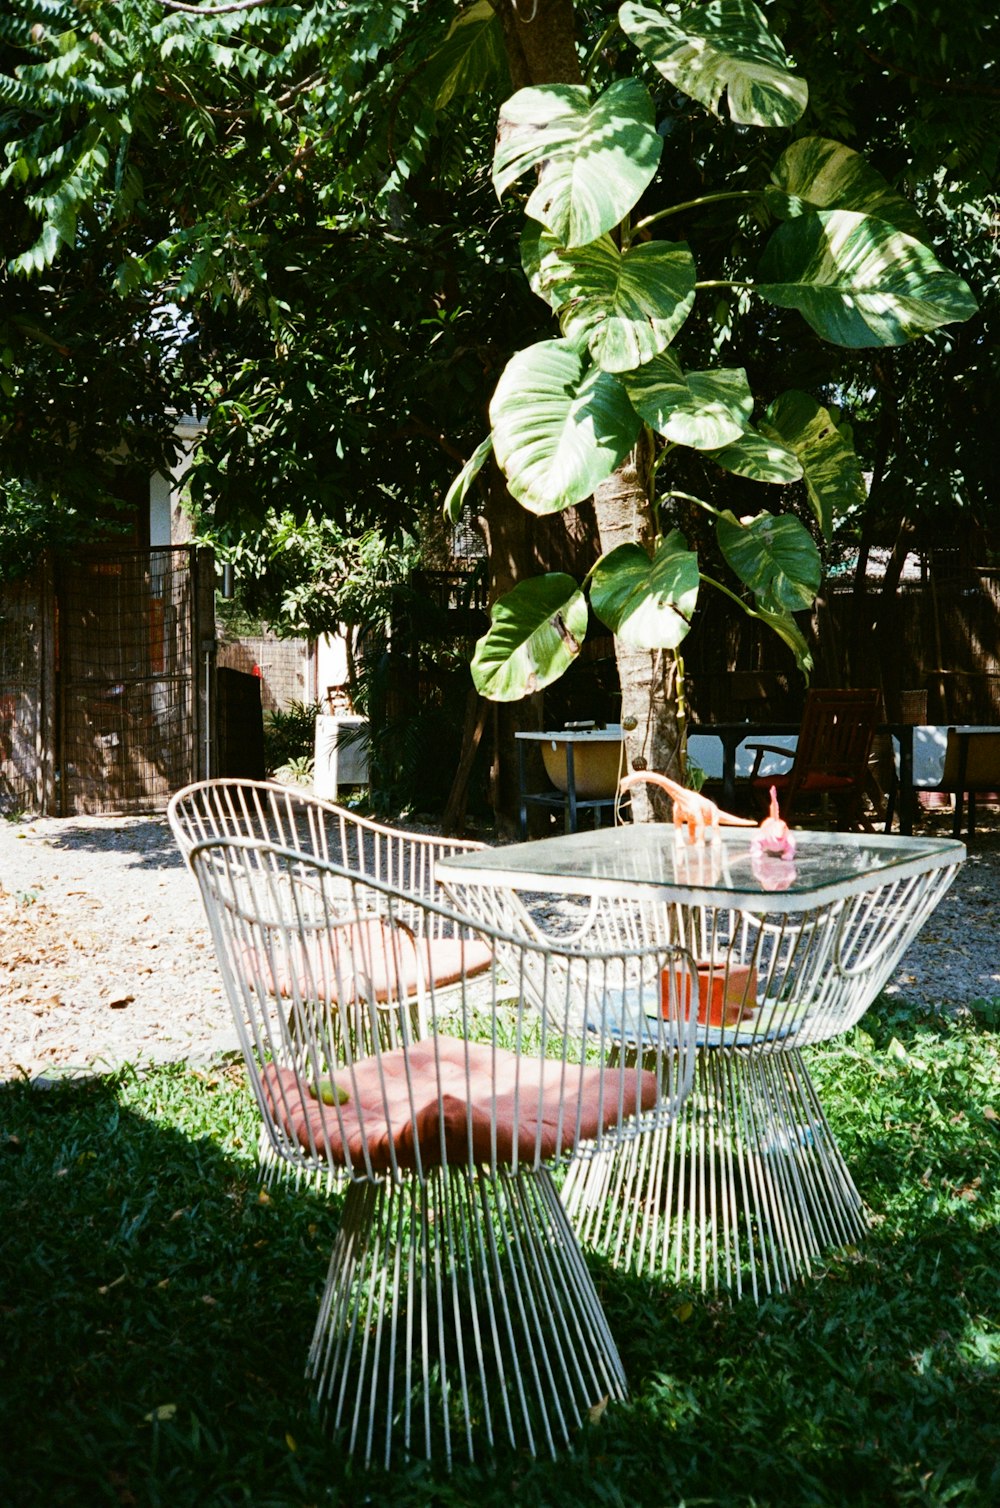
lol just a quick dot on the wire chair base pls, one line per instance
(746, 1190)
(459, 1308)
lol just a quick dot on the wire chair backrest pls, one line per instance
(520, 1067)
(274, 813)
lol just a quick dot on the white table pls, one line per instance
(748, 1187)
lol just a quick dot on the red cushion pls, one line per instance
(383, 958)
(460, 1092)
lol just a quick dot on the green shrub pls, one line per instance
(289, 736)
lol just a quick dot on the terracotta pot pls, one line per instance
(724, 998)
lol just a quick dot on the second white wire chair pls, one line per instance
(457, 1305)
(404, 860)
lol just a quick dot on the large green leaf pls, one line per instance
(626, 306)
(647, 603)
(560, 425)
(536, 244)
(785, 626)
(471, 59)
(858, 281)
(830, 466)
(814, 173)
(597, 157)
(705, 410)
(760, 458)
(535, 634)
(459, 490)
(776, 557)
(722, 45)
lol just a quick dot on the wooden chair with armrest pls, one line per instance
(831, 757)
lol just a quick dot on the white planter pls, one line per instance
(340, 755)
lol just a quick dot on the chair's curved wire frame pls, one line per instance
(747, 1189)
(275, 813)
(457, 1302)
(268, 811)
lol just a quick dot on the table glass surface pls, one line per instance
(826, 867)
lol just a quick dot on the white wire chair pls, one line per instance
(747, 1187)
(293, 818)
(406, 861)
(457, 1302)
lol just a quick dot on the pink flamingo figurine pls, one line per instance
(774, 837)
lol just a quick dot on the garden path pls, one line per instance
(105, 956)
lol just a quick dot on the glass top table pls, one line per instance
(826, 867)
(748, 1187)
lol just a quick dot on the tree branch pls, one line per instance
(214, 10)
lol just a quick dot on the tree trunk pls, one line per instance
(540, 41)
(654, 732)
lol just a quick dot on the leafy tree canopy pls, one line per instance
(280, 217)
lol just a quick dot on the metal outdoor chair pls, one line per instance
(831, 757)
(457, 1306)
(404, 860)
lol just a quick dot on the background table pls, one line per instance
(748, 1188)
(575, 743)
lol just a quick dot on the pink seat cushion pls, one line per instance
(460, 1091)
(372, 956)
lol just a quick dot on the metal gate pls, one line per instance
(27, 694)
(129, 714)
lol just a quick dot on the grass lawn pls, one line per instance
(156, 1308)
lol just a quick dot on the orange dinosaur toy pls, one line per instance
(691, 810)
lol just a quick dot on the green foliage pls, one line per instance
(830, 467)
(312, 575)
(596, 156)
(858, 281)
(278, 218)
(647, 602)
(251, 216)
(724, 46)
(32, 521)
(290, 737)
(560, 425)
(158, 1307)
(536, 631)
(705, 410)
(566, 412)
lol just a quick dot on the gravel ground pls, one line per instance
(105, 956)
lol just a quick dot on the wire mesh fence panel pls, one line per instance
(129, 676)
(23, 751)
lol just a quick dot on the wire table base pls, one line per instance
(747, 1190)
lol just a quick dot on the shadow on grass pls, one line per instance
(156, 1313)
